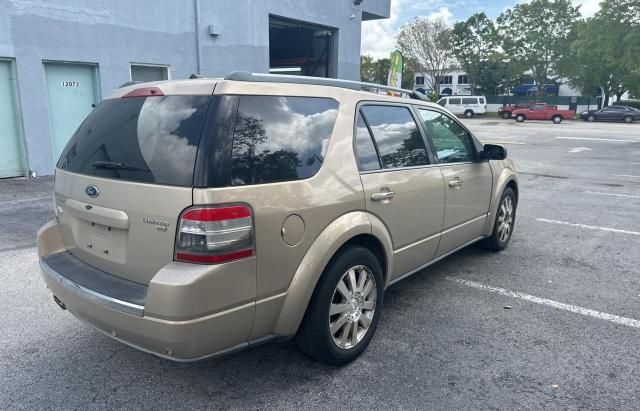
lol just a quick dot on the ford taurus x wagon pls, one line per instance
(198, 217)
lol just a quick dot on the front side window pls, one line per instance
(397, 136)
(538, 107)
(280, 138)
(452, 143)
(442, 102)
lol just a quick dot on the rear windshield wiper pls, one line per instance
(114, 165)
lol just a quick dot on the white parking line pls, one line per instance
(598, 139)
(504, 142)
(612, 194)
(24, 200)
(626, 175)
(630, 322)
(590, 227)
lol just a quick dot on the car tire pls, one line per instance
(520, 118)
(556, 119)
(506, 115)
(628, 119)
(501, 234)
(329, 335)
(468, 113)
(591, 118)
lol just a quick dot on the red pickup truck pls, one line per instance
(542, 111)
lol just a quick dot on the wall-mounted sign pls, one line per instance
(70, 83)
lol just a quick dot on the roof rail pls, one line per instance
(320, 81)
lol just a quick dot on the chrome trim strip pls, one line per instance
(424, 240)
(473, 220)
(435, 260)
(119, 305)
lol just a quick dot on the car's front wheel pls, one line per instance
(468, 113)
(504, 223)
(591, 118)
(345, 308)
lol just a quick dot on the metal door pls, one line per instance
(11, 152)
(72, 90)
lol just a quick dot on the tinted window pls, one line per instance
(280, 138)
(469, 100)
(454, 101)
(151, 140)
(442, 102)
(367, 155)
(397, 136)
(453, 144)
(481, 100)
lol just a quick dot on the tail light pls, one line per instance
(213, 235)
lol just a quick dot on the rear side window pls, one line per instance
(454, 101)
(280, 138)
(141, 139)
(367, 154)
(397, 136)
(469, 100)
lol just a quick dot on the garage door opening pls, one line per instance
(303, 49)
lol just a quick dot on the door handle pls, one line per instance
(455, 183)
(383, 195)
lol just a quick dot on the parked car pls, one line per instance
(505, 111)
(467, 106)
(612, 113)
(542, 111)
(198, 217)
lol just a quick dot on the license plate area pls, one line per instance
(102, 241)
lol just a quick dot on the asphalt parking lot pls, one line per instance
(551, 322)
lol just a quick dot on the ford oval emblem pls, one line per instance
(92, 191)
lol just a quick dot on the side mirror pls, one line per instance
(493, 152)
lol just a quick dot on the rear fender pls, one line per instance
(334, 236)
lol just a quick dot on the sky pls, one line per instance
(378, 36)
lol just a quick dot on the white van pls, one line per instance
(465, 105)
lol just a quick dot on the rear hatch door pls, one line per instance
(125, 177)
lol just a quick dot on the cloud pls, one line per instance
(379, 36)
(588, 7)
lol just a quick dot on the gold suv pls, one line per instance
(198, 217)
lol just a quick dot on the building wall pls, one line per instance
(115, 33)
(455, 87)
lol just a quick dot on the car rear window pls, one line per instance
(142, 139)
(278, 138)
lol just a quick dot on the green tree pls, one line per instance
(605, 51)
(474, 44)
(374, 71)
(428, 42)
(537, 34)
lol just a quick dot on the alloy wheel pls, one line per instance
(505, 219)
(352, 307)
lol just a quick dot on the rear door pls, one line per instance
(467, 180)
(401, 184)
(124, 178)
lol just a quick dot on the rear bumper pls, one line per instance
(124, 310)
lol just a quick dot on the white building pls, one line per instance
(454, 83)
